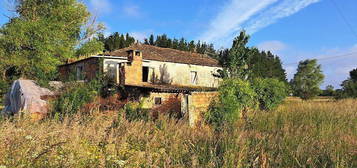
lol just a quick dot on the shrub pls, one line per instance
(135, 112)
(270, 92)
(235, 98)
(74, 98)
(4, 87)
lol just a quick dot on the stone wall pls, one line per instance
(198, 105)
(90, 69)
(134, 70)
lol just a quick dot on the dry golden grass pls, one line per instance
(298, 134)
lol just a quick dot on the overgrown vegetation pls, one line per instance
(297, 134)
(270, 92)
(235, 98)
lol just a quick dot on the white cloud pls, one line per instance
(274, 46)
(231, 17)
(251, 15)
(132, 11)
(276, 12)
(100, 6)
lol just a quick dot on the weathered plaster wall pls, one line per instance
(180, 74)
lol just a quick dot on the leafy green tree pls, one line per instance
(329, 91)
(235, 61)
(235, 98)
(307, 80)
(349, 87)
(43, 34)
(266, 65)
(353, 74)
(91, 47)
(270, 92)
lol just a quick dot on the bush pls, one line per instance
(4, 87)
(135, 112)
(270, 92)
(235, 98)
(74, 98)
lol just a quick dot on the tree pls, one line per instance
(353, 74)
(307, 80)
(266, 65)
(235, 98)
(43, 34)
(349, 87)
(117, 41)
(181, 44)
(329, 91)
(92, 46)
(235, 60)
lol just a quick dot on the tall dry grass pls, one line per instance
(297, 134)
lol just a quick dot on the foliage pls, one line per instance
(235, 98)
(90, 47)
(4, 87)
(307, 80)
(42, 35)
(266, 65)
(135, 112)
(349, 87)
(329, 91)
(270, 92)
(235, 60)
(180, 44)
(298, 134)
(74, 98)
(249, 63)
(116, 41)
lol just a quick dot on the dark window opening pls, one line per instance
(137, 53)
(128, 63)
(158, 100)
(145, 74)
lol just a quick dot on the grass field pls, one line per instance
(298, 134)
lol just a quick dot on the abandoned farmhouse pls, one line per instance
(156, 75)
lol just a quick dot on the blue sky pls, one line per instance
(293, 29)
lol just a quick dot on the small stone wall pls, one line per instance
(90, 69)
(199, 103)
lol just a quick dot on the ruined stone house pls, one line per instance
(157, 73)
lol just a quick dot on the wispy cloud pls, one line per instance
(132, 10)
(276, 12)
(232, 15)
(251, 15)
(100, 6)
(274, 46)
